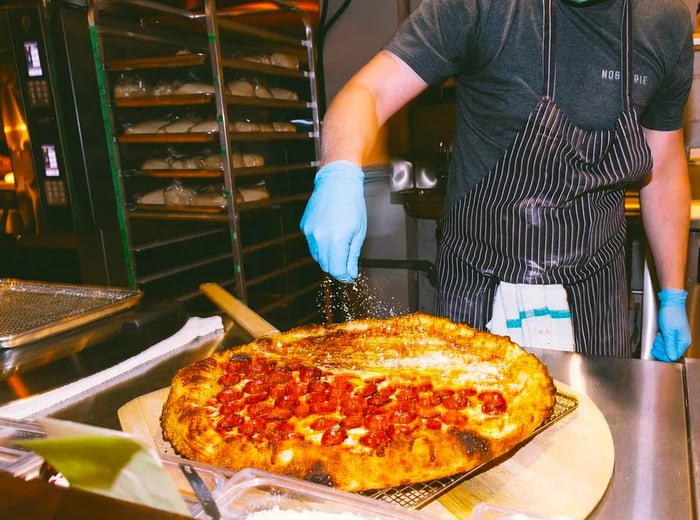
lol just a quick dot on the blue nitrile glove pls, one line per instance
(673, 338)
(335, 219)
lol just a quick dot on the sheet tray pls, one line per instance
(34, 310)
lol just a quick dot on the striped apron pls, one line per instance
(551, 211)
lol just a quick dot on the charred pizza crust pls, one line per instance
(360, 405)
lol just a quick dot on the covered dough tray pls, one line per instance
(34, 310)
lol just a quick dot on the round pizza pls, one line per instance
(365, 404)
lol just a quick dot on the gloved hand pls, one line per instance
(673, 338)
(335, 219)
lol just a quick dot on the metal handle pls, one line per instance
(201, 491)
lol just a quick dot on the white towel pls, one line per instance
(533, 316)
(39, 405)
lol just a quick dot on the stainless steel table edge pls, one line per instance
(643, 402)
(692, 387)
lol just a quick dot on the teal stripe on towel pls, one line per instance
(561, 315)
(534, 313)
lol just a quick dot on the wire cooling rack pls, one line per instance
(415, 496)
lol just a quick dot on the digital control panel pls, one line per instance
(35, 82)
(37, 85)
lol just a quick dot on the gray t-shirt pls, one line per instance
(493, 48)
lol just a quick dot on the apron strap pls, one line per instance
(549, 56)
(626, 56)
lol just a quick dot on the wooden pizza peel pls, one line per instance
(565, 470)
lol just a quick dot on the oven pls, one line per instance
(58, 218)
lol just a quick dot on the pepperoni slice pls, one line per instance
(322, 407)
(425, 386)
(407, 394)
(295, 389)
(378, 400)
(231, 408)
(387, 391)
(457, 401)
(427, 412)
(433, 424)
(493, 403)
(341, 387)
(287, 401)
(399, 430)
(229, 394)
(318, 386)
(256, 398)
(280, 414)
(374, 439)
(353, 421)
(454, 418)
(307, 374)
(334, 436)
(402, 417)
(353, 404)
(255, 386)
(229, 422)
(302, 410)
(261, 366)
(239, 364)
(279, 376)
(429, 400)
(378, 421)
(366, 390)
(253, 426)
(406, 406)
(229, 379)
(316, 397)
(324, 423)
(259, 409)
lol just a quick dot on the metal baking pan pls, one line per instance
(415, 496)
(35, 310)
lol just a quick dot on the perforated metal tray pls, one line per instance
(35, 310)
(415, 496)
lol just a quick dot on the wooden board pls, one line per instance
(565, 470)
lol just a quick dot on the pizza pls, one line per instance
(359, 405)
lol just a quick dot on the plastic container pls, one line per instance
(254, 494)
(213, 478)
(484, 511)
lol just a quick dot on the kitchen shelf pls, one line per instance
(263, 69)
(177, 174)
(158, 62)
(146, 50)
(274, 242)
(281, 271)
(157, 244)
(166, 138)
(214, 174)
(183, 268)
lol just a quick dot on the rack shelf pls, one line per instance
(249, 238)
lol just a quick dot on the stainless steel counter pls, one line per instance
(692, 374)
(642, 401)
(644, 404)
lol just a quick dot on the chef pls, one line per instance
(561, 106)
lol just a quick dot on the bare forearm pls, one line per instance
(356, 114)
(665, 204)
(350, 126)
